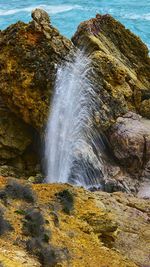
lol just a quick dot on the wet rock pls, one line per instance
(121, 68)
(144, 190)
(120, 75)
(130, 140)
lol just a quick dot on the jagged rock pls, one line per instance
(120, 73)
(98, 232)
(29, 54)
(40, 17)
(121, 68)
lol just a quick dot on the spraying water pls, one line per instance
(71, 150)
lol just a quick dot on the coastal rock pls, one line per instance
(130, 140)
(121, 68)
(120, 73)
(17, 154)
(96, 230)
(29, 55)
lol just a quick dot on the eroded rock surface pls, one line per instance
(18, 152)
(97, 229)
(29, 54)
(121, 67)
(130, 140)
(121, 75)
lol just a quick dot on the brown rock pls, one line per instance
(29, 54)
(130, 140)
(18, 156)
(121, 67)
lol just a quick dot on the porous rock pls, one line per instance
(29, 54)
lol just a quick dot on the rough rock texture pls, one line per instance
(121, 75)
(18, 155)
(130, 140)
(96, 230)
(121, 67)
(29, 54)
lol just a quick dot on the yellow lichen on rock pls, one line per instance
(92, 234)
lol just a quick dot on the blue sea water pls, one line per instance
(66, 15)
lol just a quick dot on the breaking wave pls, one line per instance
(51, 9)
(133, 16)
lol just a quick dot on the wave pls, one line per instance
(49, 8)
(133, 16)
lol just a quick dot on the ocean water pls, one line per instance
(66, 15)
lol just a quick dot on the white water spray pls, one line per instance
(70, 146)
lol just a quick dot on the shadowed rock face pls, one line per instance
(18, 155)
(29, 54)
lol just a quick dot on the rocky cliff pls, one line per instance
(121, 67)
(61, 225)
(29, 54)
(121, 76)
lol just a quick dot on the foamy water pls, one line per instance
(71, 151)
(52, 9)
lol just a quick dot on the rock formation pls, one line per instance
(121, 68)
(29, 54)
(72, 227)
(61, 225)
(120, 74)
(130, 140)
(17, 146)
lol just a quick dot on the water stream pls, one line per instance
(73, 154)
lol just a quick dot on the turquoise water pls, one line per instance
(66, 15)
